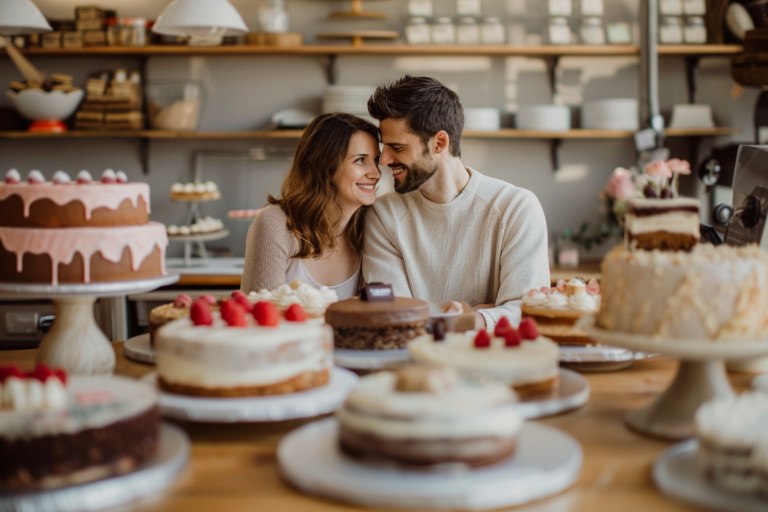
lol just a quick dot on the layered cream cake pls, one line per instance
(167, 313)
(77, 232)
(313, 300)
(526, 362)
(232, 352)
(729, 431)
(664, 224)
(712, 292)
(57, 431)
(556, 310)
(422, 417)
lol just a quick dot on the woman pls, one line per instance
(313, 231)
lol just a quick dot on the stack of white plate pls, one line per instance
(352, 99)
(545, 118)
(482, 119)
(613, 114)
(692, 116)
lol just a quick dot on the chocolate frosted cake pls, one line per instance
(662, 224)
(377, 324)
(426, 418)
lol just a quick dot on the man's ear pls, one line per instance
(441, 141)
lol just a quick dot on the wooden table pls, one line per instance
(233, 467)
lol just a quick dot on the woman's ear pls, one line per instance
(441, 141)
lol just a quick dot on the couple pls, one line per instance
(448, 233)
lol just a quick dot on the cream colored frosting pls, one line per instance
(118, 398)
(734, 422)
(220, 356)
(62, 244)
(672, 222)
(469, 408)
(313, 300)
(530, 362)
(535, 299)
(32, 394)
(556, 300)
(584, 301)
(91, 195)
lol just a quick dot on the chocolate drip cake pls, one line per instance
(662, 224)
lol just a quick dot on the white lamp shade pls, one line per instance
(200, 18)
(19, 17)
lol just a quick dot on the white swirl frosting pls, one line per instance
(31, 394)
(556, 300)
(261, 295)
(535, 299)
(583, 302)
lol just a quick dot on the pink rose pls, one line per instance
(679, 166)
(621, 186)
(658, 169)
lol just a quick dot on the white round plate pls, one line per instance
(689, 349)
(594, 354)
(676, 474)
(200, 237)
(572, 393)
(547, 461)
(50, 291)
(304, 404)
(368, 359)
(138, 349)
(107, 494)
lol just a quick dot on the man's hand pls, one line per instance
(470, 321)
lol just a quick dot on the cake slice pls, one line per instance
(662, 224)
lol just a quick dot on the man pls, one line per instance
(448, 233)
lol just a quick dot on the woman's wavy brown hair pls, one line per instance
(309, 196)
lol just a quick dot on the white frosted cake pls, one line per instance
(556, 310)
(662, 224)
(424, 417)
(717, 293)
(242, 355)
(313, 300)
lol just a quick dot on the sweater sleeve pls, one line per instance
(382, 259)
(268, 249)
(524, 260)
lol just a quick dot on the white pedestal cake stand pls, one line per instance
(75, 342)
(700, 377)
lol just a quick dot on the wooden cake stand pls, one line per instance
(700, 377)
(75, 342)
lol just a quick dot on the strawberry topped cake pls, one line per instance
(57, 430)
(556, 310)
(77, 231)
(243, 349)
(520, 357)
(179, 308)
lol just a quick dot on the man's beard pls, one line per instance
(416, 175)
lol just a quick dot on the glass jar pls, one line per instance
(467, 31)
(420, 8)
(139, 32)
(695, 31)
(273, 18)
(492, 31)
(443, 31)
(592, 32)
(468, 8)
(417, 31)
(558, 31)
(671, 30)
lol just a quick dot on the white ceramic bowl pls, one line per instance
(548, 118)
(482, 119)
(611, 114)
(39, 105)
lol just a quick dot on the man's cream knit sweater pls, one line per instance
(487, 246)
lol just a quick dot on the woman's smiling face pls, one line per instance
(358, 175)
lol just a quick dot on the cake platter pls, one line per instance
(677, 475)
(139, 349)
(572, 392)
(546, 462)
(304, 404)
(700, 377)
(369, 359)
(106, 494)
(596, 358)
(75, 342)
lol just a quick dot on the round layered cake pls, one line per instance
(365, 325)
(712, 292)
(78, 232)
(429, 417)
(556, 310)
(56, 431)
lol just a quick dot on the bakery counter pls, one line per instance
(234, 466)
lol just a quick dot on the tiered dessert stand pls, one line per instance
(700, 377)
(193, 215)
(75, 343)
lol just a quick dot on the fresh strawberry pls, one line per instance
(266, 314)
(12, 177)
(546, 290)
(532, 292)
(560, 285)
(226, 309)
(108, 176)
(35, 177)
(61, 375)
(10, 371)
(200, 313)
(182, 301)
(512, 337)
(592, 287)
(41, 373)
(237, 293)
(295, 313)
(502, 324)
(84, 177)
(244, 303)
(121, 177)
(482, 340)
(236, 316)
(528, 329)
(210, 299)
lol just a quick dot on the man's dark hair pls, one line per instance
(427, 105)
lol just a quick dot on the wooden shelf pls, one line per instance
(295, 134)
(389, 49)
